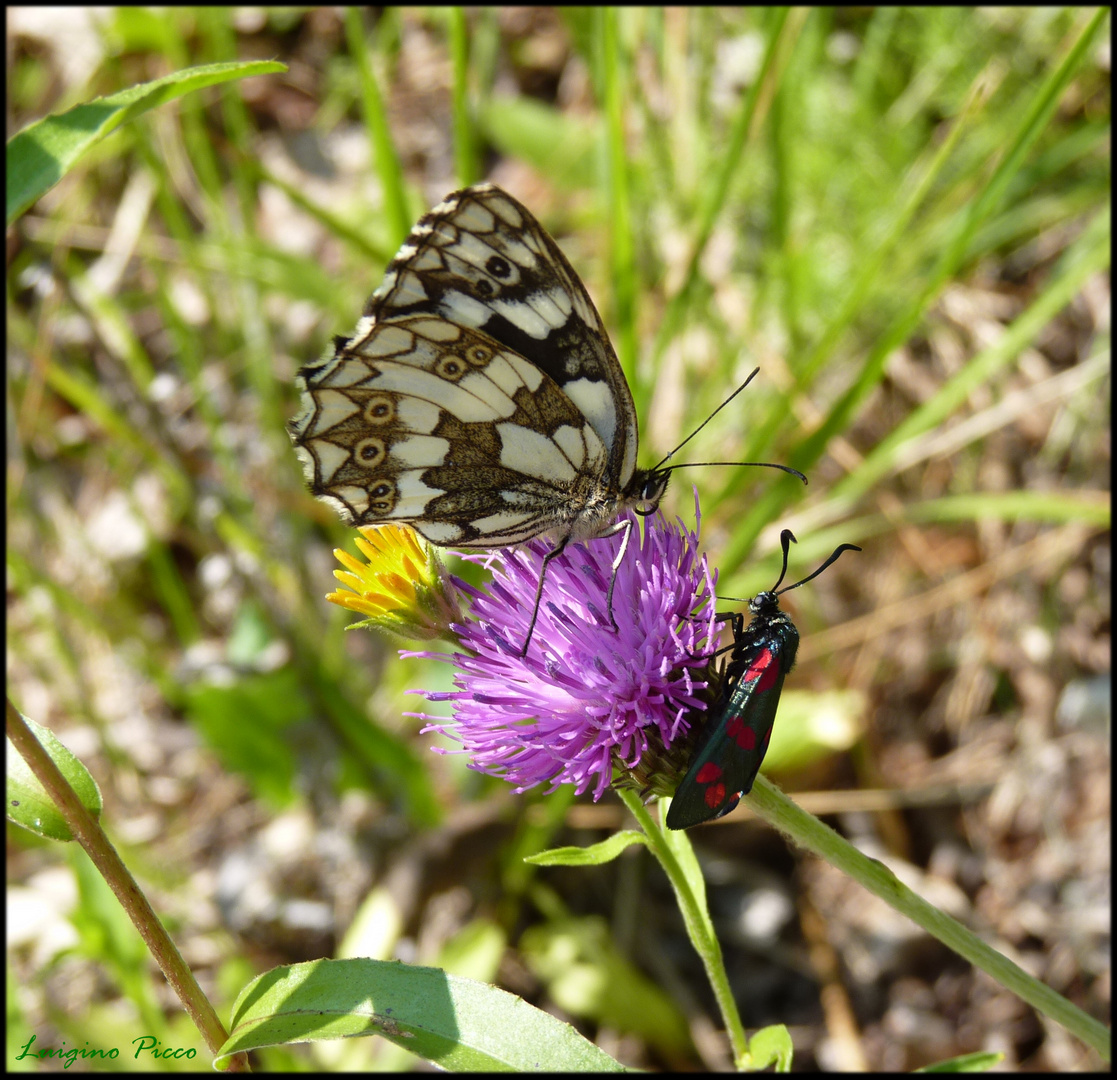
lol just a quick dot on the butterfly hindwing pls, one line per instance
(479, 399)
(440, 426)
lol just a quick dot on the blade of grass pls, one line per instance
(781, 37)
(43, 152)
(621, 247)
(1088, 255)
(386, 159)
(1035, 116)
(465, 145)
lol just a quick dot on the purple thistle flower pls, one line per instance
(587, 699)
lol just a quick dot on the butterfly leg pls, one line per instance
(557, 550)
(626, 528)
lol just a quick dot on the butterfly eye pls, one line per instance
(370, 452)
(380, 409)
(485, 288)
(382, 498)
(655, 484)
(478, 355)
(450, 367)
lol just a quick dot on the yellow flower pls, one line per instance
(402, 588)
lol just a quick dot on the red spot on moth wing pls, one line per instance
(741, 733)
(770, 673)
(767, 678)
(709, 776)
(761, 666)
(714, 796)
(708, 773)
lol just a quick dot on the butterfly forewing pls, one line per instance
(479, 398)
(480, 259)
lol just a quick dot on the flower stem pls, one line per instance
(676, 856)
(89, 834)
(774, 807)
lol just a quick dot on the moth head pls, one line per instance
(764, 603)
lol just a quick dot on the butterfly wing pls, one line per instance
(424, 421)
(480, 259)
(537, 437)
(740, 724)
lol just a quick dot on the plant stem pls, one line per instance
(774, 807)
(100, 850)
(676, 856)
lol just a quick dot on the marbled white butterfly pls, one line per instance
(479, 399)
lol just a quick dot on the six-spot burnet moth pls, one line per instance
(727, 760)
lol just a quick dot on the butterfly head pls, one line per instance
(647, 487)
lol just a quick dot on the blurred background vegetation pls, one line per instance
(901, 216)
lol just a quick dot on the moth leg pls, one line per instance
(738, 621)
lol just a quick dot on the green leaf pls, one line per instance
(43, 152)
(982, 1061)
(456, 1023)
(475, 951)
(588, 977)
(29, 804)
(594, 855)
(552, 141)
(253, 725)
(814, 725)
(375, 928)
(771, 1046)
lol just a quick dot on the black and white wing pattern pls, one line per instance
(479, 399)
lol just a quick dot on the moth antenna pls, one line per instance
(787, 538)
(833, 558)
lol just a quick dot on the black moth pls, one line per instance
(740, 722)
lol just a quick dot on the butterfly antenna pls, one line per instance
(759, 464)
(752, 376)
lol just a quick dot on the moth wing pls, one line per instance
(739, 730)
